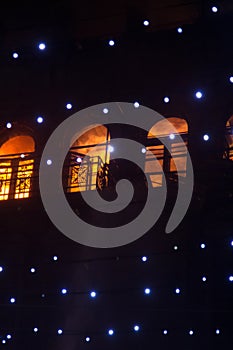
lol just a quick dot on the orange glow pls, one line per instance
(23, 183)
(177, 151)
(163, 129)
(5, 178)
(18, 145)
(83, 176)
(152, 167)
(15, 174)
(229, 138)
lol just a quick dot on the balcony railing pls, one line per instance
(19, 173)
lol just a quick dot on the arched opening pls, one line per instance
(177, 150)
(229, 139)
(85, 158)
(16, 167)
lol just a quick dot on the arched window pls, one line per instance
(229, 139)
(85, 159)
(166, 156)
(16, 167)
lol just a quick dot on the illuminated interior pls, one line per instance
(16, 167)
(177, 150)
(5, 179)
(86, 158)
(229, 138)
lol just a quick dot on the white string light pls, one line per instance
(69, 106)
(110, 331)
(172, 136)
(147, 291)
(146, 23)
(144, 258)
(39, 120)
(199, 95)
(214, 9)
(42, 46)
(143, 150)
(105, 110)
(93, 294)
(110, 149)
(206, 137)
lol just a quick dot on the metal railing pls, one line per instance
(19, 173)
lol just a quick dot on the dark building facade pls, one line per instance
(162, 290)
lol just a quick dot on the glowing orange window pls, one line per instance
(16, 167)
(166, 158)
(86, 158)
